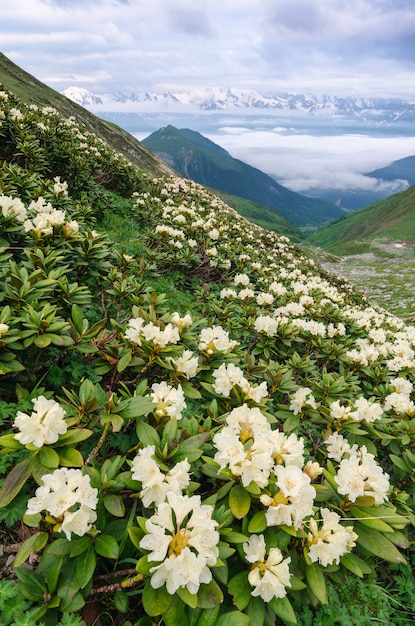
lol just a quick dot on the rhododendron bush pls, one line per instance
(212, 465)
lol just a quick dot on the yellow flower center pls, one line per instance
(178, 542)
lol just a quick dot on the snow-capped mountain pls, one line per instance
(377, 111)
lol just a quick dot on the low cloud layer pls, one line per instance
(305, 163)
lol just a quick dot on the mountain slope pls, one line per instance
(33, 91)
(403, 169)
(392, 218)
(201, 160)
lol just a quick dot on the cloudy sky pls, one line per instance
(338, 47)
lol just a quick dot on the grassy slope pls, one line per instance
(31, 90)
(391, 218)
(261, 215)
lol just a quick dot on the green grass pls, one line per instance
(391, 218)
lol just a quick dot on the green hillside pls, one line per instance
(201, 160)
(392, 218)
(261, 215)
(198, 425)
(31, 90)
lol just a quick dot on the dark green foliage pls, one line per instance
(199, 159)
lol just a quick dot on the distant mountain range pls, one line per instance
(373, 111)
(194, 156)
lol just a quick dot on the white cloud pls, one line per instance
(329, 46)
(305, 162)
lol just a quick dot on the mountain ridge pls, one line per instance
(373, 111)
(194, 156)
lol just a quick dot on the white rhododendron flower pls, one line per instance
(182, 538)
(133, 332)
(43, 426)
(68, 497)
(181, 322)
(366, 411)
(294, 499)
(216, 339)
(241, 279)
(13, 207)
(269, 575)
(339, 411)
(302, 397)
(287, 450)
(267, 325)
(245, 447)
(170, 401)
(155, 484)
(338, 446)
(186, 364)
(360, 475)
(226, 377)
(331, 540)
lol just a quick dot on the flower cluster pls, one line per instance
(327, 543)
(43, 426)
(68, 497)
(269, 575)
(182, 538)
(155, 484)
(227, 377)
(358, 474)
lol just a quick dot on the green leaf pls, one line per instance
(396, 460)
(355, 564)
(32, 587)
(9, 442)
(256, 611)
(283, 608)
(188, 598)
(376, 543)
(209, 595)
(316, 582)
(85, 567)
(369, 521)
(107, 546)
(78, 546)
(147, 434)
(42, 341)
(121, 601)
(114, 505)
(234, 537)
(241, 590)
(156, 601)
(77, 318)
(70, 457)
(136, 534)
(291, 423)
(74, 436)
(190, 391)
(35, 543)
(258, 523)
(49, 457)
(239, 501)
(137, 406)
(15, 480)
(234, 618)
(208, 617)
